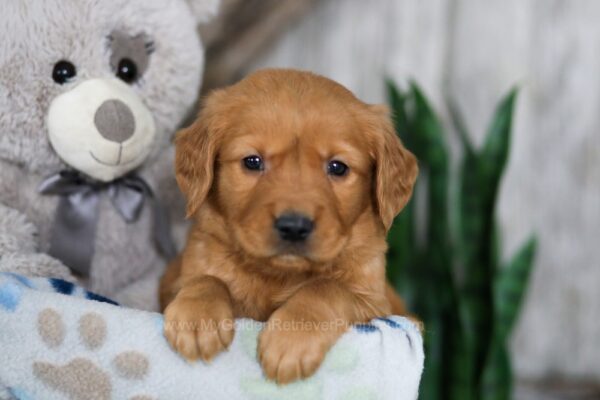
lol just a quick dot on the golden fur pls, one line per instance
(234, 265)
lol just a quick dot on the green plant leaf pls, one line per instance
(401, 257)
(459, 124)
(437, 284)
(466, 357)
(460, 374)
(496, 249)
(401, 237)
(427, 133)
(496, 148)
(434, 369)
(510, 287)
(397, 101)
(475, 238)
(480, 180)
(496, 381)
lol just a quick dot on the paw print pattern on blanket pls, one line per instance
(341, 359)
(81, 378)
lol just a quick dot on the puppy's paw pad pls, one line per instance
(288, 357)
(198, 334)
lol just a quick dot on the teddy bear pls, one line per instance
(91, 93)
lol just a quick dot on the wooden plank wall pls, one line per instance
(474, 51)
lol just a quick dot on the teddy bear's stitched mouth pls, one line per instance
(118, 163)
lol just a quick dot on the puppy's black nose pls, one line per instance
(293, 227)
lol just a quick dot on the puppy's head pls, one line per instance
(292, 161)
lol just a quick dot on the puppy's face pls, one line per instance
(291, 161)
(292, 182)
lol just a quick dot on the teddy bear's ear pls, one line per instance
(204, 10)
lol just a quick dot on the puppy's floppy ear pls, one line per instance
(396, 169)
(196, 150)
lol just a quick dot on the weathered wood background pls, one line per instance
(474, 51)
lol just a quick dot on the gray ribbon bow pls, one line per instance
(74, 228)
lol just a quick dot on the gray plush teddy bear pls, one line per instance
(91, 93)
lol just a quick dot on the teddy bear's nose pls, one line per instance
(115, 121)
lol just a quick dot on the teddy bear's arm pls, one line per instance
(143, 293)
(19, 248)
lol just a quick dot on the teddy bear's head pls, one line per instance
(100, 86)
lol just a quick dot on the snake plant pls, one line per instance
(447, 265)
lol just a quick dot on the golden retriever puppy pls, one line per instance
(293, 183)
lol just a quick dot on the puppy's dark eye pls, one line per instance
(63, 71)
(127, 70)
(337, 168)
(253, 163)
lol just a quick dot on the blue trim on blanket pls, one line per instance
(97, 297)
(366, 328)
(61, 286)
(19, 394)
(23, 280)
(10, 292)
(405, 325)
(10, 295)
(390, 323)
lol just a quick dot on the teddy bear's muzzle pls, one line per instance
(101, 128)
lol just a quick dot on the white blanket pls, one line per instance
(58, 341)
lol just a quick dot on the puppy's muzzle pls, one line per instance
(293, 227)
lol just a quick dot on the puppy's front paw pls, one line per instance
(197, 329)
(289, 353)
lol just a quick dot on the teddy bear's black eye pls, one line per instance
(337, 168)
(253, 163)
(63, 71)
(127, 70)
